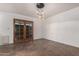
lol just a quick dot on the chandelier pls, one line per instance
(40, 11)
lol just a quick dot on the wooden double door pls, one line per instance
(23, 31)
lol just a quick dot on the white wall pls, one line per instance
(63, 27)
(6, 25)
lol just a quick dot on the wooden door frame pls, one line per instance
(14, 28)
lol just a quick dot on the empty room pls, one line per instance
(39, 29)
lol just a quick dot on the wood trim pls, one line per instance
(13, 30)
(22, 20)
(32, 31)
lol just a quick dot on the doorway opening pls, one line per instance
(23, 31)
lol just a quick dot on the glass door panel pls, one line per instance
(19, 31)
(29, 31)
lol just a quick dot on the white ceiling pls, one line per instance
(29, 9)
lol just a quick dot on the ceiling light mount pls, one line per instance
(40, 5)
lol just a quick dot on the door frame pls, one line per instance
(14, 28)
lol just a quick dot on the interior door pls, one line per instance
(19, 31)
(23, 31)
(29, 31)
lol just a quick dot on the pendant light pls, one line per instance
(40, 11)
